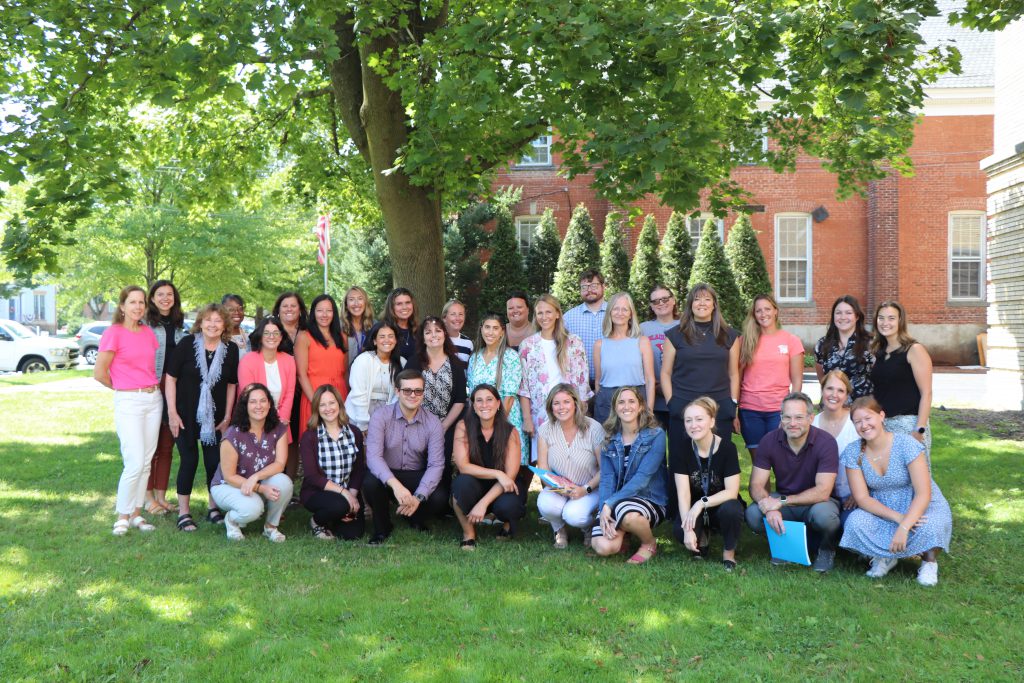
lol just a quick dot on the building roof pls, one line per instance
(977, 49)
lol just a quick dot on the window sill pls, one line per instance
(533, 167)
(966, 303)
(798, 304)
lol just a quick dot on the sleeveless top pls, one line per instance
(621, 363)
(895, 387)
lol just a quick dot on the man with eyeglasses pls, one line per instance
(585, 320)
(805, 461)
(405, 458)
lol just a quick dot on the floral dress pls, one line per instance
(537, 381)
(481, 372)
(845, 359)
(870, 535)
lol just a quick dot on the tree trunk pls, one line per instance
(412, 215)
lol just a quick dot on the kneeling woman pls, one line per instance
(706, 470)
(333, 462)
(633, 492)
(252, 459)
(569, 444)
(900, 510)
(486, 454)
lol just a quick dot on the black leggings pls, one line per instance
(188, 451)
(467, 492)
(725, 518)
(330, 508)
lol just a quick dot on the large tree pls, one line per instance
(425, 97)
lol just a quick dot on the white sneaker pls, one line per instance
(928, 574)
(880, 566)
(231, 527)
(562, 538)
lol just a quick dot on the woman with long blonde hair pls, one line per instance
(771, 366)
(549, 357)
(622, 357)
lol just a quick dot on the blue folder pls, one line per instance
(790, 546)
(546, 477)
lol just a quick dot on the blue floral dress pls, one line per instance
(870, 535)
(480, 372)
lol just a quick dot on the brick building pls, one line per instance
(920, 240)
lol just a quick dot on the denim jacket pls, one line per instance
(646, 476)
(161, 349)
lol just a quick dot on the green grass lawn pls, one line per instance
(42, 377)
(78, 604)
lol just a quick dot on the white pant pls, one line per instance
(137, 421)
(245, 508)
(559, 510)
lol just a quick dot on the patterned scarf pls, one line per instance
(210, 376)
(336, 457)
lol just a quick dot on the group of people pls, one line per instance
(627, 424)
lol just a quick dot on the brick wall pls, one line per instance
(892, 244)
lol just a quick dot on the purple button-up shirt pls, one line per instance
(394, 443)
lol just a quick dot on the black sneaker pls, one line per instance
(378, 540)
(824, 561)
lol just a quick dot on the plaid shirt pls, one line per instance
(586, 325)
(336, 457)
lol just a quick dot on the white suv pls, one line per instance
(23, 350)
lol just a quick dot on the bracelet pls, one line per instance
(904, 528)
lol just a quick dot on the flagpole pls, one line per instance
(326, 258)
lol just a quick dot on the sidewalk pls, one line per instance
(952, 388)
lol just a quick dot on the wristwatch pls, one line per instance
(704, 499)
(420, 497)
(783, 500)
(590, 489)
(920, 430)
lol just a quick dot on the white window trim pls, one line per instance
(519, 220)
(810, 258)
(982, 236)
(720, 222)
(521, 161)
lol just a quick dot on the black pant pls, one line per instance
(188, 451)
(725, 518)
(379, 496)
(467, 492)
(523, 481)
(329, 510)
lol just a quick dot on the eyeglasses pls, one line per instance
(593, 286)
(406, 391)
(272, 335)
(662, 300)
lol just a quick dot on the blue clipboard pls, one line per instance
(791, 546)
(545, 476)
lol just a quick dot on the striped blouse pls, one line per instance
(578, 461)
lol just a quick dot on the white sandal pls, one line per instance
(273, 534)
(121, 527)
(139, 522)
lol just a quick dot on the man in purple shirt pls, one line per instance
(805, 460)
(405, 459)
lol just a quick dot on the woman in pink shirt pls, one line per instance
(127, 364)
(771, 366)
(266, 366)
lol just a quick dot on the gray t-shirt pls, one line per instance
(655, 331)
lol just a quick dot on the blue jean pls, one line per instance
(754, 424)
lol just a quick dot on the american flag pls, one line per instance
(323, 235)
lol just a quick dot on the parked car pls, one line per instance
(89, 339)
(23, 350)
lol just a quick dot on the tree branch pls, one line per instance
(302, 57)
(347, 82)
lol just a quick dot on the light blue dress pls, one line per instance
(480, 372)
(870, 535)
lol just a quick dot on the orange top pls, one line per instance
(325, 366)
